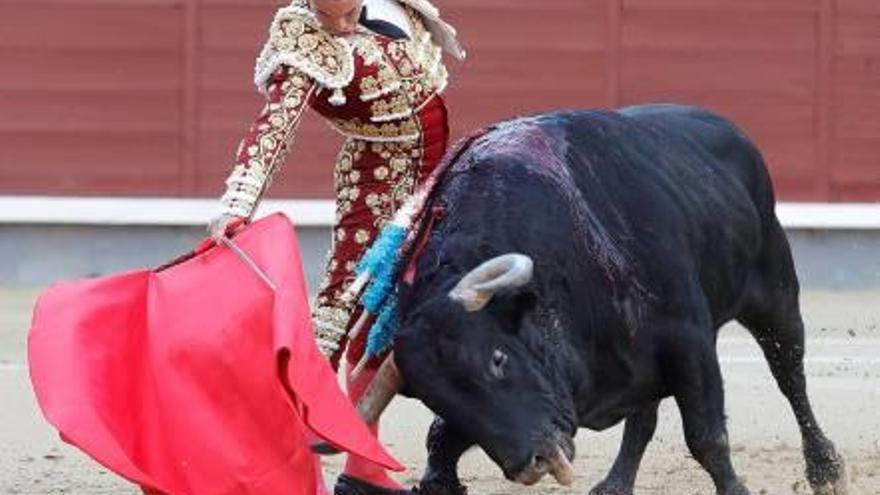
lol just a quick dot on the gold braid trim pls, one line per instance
(330, 326)
(265, 148)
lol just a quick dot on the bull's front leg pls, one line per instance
(637, 433)
(446, 445)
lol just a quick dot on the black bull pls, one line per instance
(637, 234)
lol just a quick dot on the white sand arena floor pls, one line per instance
(843, 371)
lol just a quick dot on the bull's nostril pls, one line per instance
(539, 460)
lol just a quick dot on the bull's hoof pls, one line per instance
(737, 489)
(347, 485)
(839, 487)
(611, 487)
(433, 488)
(826, 472)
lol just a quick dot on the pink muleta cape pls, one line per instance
(198, 378)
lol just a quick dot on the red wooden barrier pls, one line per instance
(149, 97)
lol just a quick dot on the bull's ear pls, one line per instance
(525, 300)
(510, 309)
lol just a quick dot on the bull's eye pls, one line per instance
(496, 367)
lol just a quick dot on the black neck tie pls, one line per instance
(379, 26)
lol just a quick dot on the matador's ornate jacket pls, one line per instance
(383, 95)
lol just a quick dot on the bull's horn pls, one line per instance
(508, 271)
(561, 468)
(381, 390)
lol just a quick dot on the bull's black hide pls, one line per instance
(648, 228)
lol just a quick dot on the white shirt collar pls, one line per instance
(389, 11)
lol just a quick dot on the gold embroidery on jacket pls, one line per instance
(254, 170)
(296, 39)
(405, 130)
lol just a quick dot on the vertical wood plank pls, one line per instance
(824, 115)
(612, 90)
(190, 100)
(165, 83)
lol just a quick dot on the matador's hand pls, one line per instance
(224, 224)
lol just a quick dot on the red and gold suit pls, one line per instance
(381, 93)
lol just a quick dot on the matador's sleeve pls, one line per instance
(264, 148)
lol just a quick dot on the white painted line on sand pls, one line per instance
(808, 361)
(146, 211)
(811, 341)
(319, 212)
